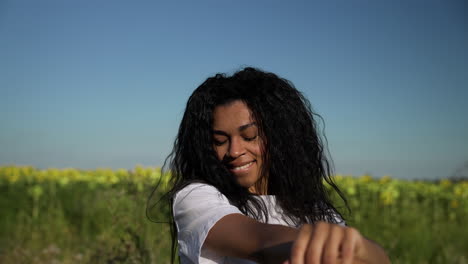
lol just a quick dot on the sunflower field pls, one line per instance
(100, 216)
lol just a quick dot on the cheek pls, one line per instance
(220, 152)
(258, 149)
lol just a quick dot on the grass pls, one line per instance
(48, 219)
(76, 224)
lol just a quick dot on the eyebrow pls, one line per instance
(241, 128)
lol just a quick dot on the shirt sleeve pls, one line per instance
(197, 207)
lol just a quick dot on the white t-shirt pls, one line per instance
(197, 207)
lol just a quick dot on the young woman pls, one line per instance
(248, 168)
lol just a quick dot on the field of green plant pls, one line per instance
(99, 216)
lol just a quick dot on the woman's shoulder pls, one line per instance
(197, 207)
(200, 196)
(196, 188)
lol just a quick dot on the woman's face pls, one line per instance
(237, 143)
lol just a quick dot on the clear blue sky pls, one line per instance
(95, 83)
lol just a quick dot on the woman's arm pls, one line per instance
(243, 237)
(240, 236)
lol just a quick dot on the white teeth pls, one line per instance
(243, 166)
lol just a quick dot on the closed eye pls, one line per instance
(219, 143)
(250, 138)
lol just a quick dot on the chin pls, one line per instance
(246, 185)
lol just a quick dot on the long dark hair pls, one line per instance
(295, 162)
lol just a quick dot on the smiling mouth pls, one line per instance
(242, 168)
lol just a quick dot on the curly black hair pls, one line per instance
(295, 162)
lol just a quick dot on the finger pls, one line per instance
(332, 245)
(317, 243)
(349, 245)
(300, 244)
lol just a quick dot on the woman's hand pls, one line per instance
(325, 243)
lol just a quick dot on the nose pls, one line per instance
(236, 148)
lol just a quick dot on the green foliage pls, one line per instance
(415, 221)
(71, 216)
(75, 216)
